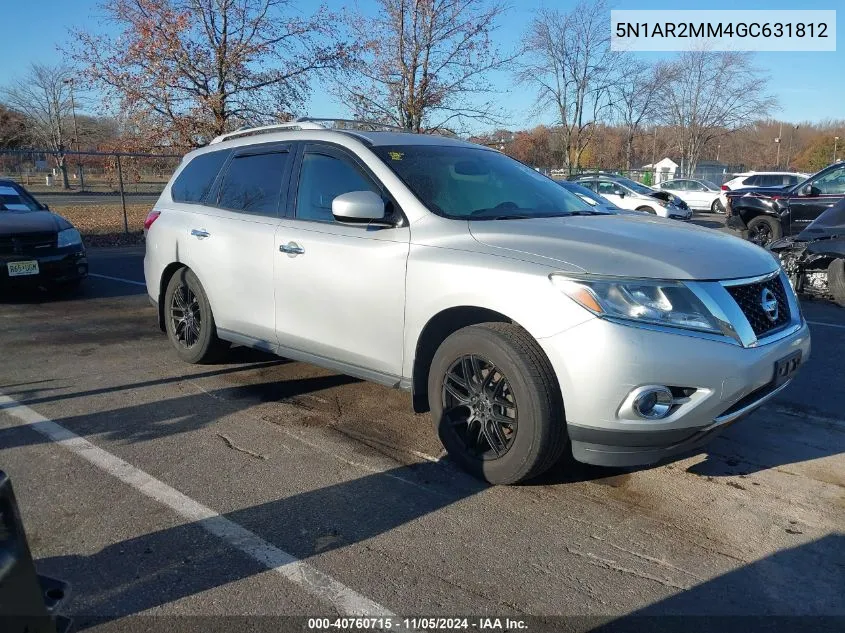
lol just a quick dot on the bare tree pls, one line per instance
(712, 94)
(184, 71)
(43, 97)
(636, 99)
(573, 69)
(424, 64)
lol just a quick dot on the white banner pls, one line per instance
(682, 30)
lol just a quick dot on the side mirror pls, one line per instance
(619, 192)
(359, 207)
(809, 190)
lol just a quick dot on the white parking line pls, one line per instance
(126, 281)
(345, 600)
(836, 325)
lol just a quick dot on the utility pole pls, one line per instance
(777, 141)
(835, 142)
(69, 81)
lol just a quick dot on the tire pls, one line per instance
(836, 280)
(525, 378)
(195, 339)
(647, 209)
(764, 230)
(717, 207)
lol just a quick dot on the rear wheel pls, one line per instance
(717, 207)
(189, 321)
(763, 230)
(836, 280)
(495, 403)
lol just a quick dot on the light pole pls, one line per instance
(835, 143)
(69, 81)
(777, 141)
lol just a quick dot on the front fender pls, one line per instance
(832, 248)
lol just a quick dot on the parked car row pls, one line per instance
(629, 194)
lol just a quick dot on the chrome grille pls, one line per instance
(749, 298)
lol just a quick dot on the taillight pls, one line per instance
(725, 188)
(152, 216)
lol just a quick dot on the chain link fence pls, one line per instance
(106, 195)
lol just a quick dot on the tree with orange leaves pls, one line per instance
(183, 71)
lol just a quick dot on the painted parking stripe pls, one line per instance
(345, 600)
(836, 325)
(126, 281)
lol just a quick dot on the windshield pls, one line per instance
(589, 196)
(634, 185)
(478, 184)
(14, 199)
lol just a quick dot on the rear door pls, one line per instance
(232, 245)
(340, 289)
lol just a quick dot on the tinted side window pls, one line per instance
(253, 183)
(194, 183)
(321, 180)
(832, 183)
(751, 181)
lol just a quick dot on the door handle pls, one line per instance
(200, 233)
(292, 248)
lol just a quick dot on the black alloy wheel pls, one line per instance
(479, 404)
(185, 316)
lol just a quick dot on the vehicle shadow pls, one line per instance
(796, 589)
(768, 440)
(164, 566)
(90, 288)
(161, 418)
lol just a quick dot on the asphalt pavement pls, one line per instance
(264, 487)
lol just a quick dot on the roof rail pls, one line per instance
(352, 124)
(248, 131)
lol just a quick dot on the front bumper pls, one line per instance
(598, 363)
(61, 265)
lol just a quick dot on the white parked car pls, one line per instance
(701, 195)
(629, 194)
(530, 324)
(751, 179)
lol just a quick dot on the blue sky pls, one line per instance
(809, 85)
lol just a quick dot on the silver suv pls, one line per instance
(530, 324)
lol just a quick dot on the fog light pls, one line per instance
(653, 403)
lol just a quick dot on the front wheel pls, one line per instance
(496, 404)
(647, 209)
(764, 230)
(189, 321)
(836, 280)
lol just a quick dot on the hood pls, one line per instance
(831, 223)
(628, 245)
(670, 198)
(17, 222)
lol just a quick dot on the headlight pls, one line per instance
(667, 303)
(69, 237)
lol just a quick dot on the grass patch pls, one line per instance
(102, 224)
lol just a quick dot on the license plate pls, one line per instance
(18, 269)
(786, 367)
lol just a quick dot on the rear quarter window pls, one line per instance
(194, 182)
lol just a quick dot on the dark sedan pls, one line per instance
(37, 247)
(768, 213)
